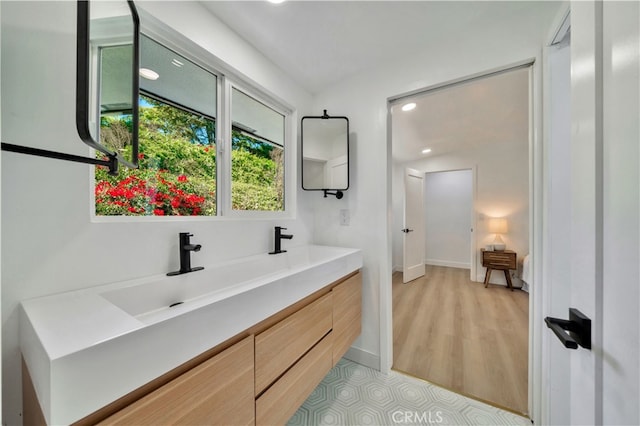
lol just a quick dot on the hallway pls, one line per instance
(457, 334)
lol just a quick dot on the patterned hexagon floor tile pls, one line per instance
(352, 394)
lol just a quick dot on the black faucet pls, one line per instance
(278, 239)
(185, 255)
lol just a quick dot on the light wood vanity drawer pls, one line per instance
(347, 315)
(280, 401)
(279, 347)
(217, 392)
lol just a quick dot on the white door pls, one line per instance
(601, 385)
(413, 242)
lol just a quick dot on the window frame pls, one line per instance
(226, 80)
(270, 103)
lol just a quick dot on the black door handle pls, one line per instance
(407, 230)
(578, 326)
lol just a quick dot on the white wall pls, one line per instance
(448, 198)
(49, 244)
(363, 99)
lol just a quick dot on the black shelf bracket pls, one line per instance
(578, 327)
(111, 162)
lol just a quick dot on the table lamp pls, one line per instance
(498, 226)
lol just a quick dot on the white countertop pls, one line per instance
(84, 349)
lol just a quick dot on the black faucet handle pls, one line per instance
(185, 248)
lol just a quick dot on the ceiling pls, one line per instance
(491, 110)
(319, 43)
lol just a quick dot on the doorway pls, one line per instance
(447, 325)
(449, 220)
(438, 221)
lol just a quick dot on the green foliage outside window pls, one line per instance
(257, 174)
(177, 173)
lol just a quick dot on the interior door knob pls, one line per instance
(407, 230)
(578, 327)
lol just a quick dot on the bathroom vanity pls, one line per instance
(246, 352)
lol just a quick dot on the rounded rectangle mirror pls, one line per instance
(325, 154)
(107, 78)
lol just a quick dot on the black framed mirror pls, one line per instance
(325, 154)
(107, 90)
(107, 85)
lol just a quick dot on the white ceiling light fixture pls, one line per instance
(149, 74)
(276, 1)
(426, 150)
(409, 106)
(177, 63)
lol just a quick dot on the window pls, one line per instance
(257, 156)
(177, 143)
(179, 149)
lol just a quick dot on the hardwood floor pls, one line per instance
(455, 333)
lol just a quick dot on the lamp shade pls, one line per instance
(498, 225)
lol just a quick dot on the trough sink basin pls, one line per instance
(163, 297)
(87, 348)
(151, 301)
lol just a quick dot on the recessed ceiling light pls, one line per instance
(149, 74)
(276, 1)
(426, 150)
(177, 63)
(409, 106)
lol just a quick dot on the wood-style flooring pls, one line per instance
(455, 333)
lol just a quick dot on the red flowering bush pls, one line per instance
(185, 188)
(149, 192)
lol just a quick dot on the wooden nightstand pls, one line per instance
(501, 260)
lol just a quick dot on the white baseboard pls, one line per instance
(363, 357)
(448, 263)
(434, 262)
